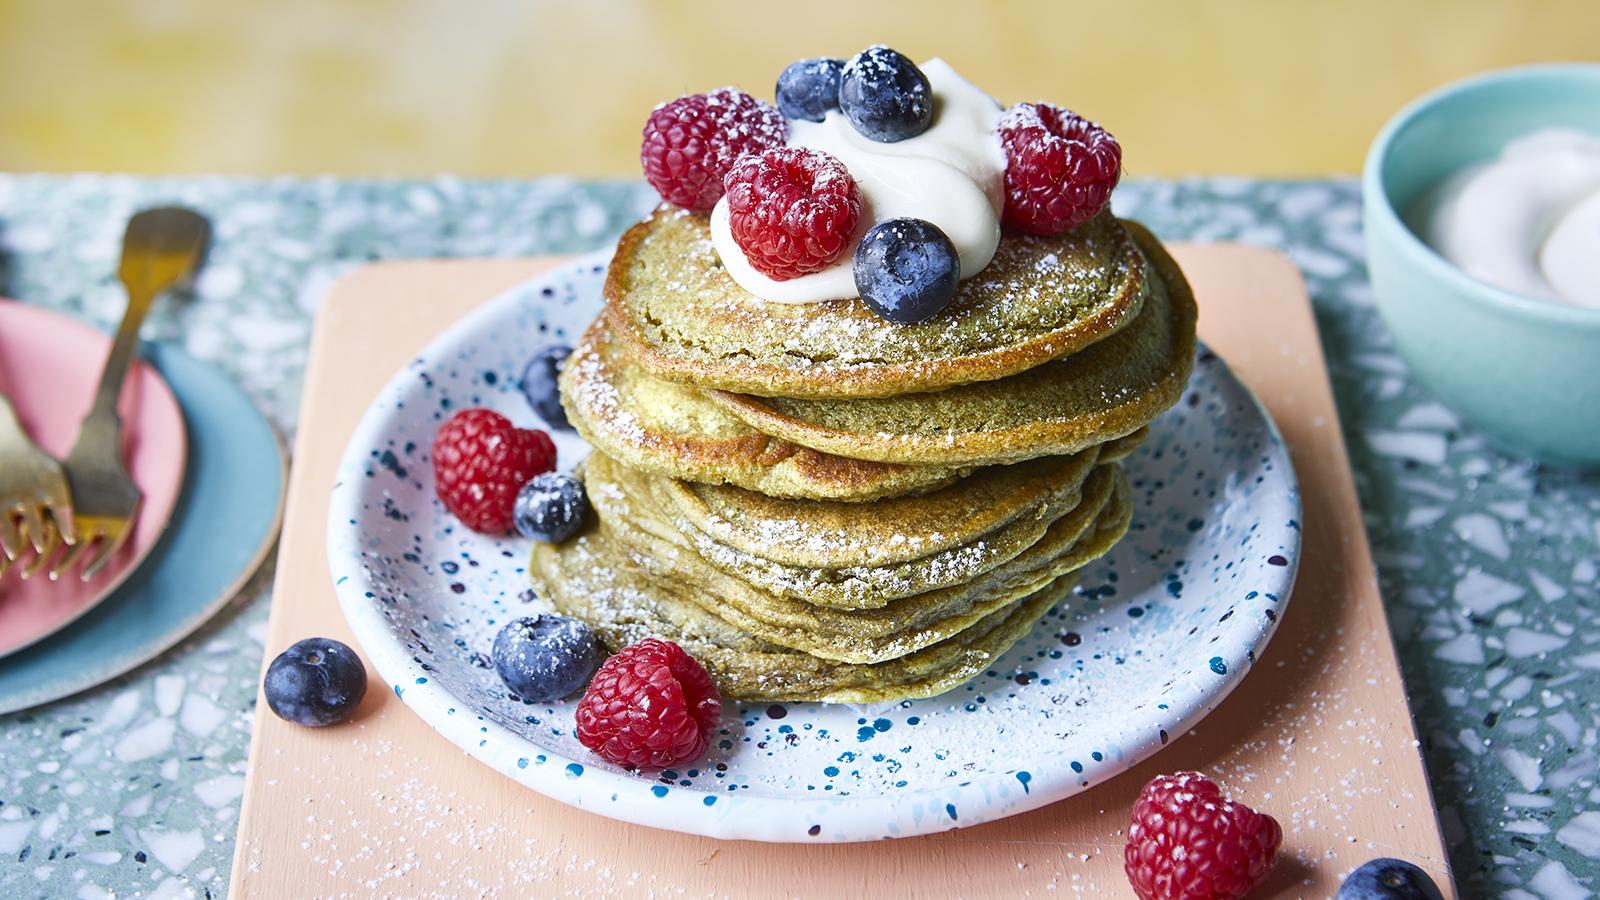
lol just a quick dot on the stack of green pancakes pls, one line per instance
(819, 504)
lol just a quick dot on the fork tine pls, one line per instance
(73, 555)
(5, 564)
(11, 542)
(109, 546)
(52, 542)
(61, 514)
(33, 525)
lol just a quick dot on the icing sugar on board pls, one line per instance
(1319, 736)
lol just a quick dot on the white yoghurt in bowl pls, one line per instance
(1527, 221)
(952, 175)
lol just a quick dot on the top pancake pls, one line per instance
(684, 318)
(1104, 392)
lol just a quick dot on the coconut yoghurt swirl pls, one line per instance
(952, 175)
(1527, 221)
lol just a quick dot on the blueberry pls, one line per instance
(907, 270)
(1388, 879)
(546, 657)
(539, 385)
(885, 96)
(550, 508)
(809, 88)
(318, 681)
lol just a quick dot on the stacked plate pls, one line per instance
(210, 468)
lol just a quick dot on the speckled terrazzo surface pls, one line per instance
(1489, 565)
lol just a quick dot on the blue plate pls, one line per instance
(226, 520)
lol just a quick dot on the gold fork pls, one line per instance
(162, 247)
(35, 501)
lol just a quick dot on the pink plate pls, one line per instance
(49, 367)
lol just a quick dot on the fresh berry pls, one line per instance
(480, 462)
(907, 270)
(1388, 879)
(1187, 841)
(885, 96)
(318, 681)
(545, 657)
(550, 508)
(539, 385)
(690, 143)
(793, 211)
(809, 88)
(1060, 168)
(649, 707)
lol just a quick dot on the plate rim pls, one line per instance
(590, 785)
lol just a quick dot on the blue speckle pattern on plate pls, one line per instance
(1155, 637)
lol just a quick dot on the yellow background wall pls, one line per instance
(526, 87)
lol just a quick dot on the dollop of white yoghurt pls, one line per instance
(952, 175)
(1528, 221)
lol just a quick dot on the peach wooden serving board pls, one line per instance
(1319, 734)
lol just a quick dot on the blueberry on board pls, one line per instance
(318, 681)
(809, 88)
(907, 270)
(550, 508)
(546, 657)
(1388, 879)
(539, 385)
(885, 96)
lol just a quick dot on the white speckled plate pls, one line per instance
(1155, 637)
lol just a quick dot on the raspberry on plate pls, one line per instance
(1188, 842)
(649, 707)
(792, 210)
(1060, 168)
(481, 461)
(691, 142)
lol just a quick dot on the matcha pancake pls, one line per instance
(685, 319)
(1109, 390)
(592, 579)
(1123, 447)
(833, 535)
(613, 489)
(675, 430)
(903, 626)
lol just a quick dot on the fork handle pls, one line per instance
(140, 298)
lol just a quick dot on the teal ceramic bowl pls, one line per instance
(1524, 371)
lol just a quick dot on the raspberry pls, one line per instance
(792, 210)
(690, 143)
(1187, 842)
(1060, 168)
(480, 461)
(649, 707)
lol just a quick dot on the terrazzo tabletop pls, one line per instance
(1488, 563)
